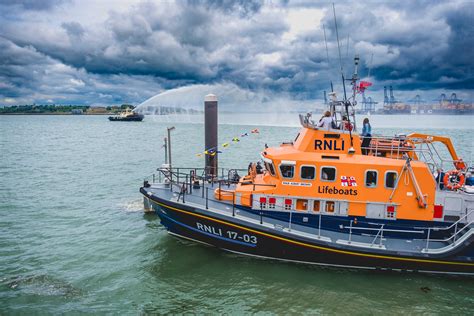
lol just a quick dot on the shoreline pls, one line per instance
(58, 114)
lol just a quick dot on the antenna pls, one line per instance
(326, 42)
(370, 64)
(327, 51)
(339, 51)
(337, 37)
(347, 48)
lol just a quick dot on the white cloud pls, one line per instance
(301, 21)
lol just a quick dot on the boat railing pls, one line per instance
(391, 146)
(380, 232)
(432, 156)
(180, 175)
(402, 146)
(454, 238)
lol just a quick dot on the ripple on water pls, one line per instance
(41, 285)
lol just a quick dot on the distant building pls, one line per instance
(97, 110)
(77, 111)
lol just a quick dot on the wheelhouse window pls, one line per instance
(328, 173)
(390, 179)
(308, 172)
(287, 171)
(371, 178)
(269, 167)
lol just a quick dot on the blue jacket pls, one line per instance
(367, 130)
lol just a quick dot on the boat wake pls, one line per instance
(132, 206)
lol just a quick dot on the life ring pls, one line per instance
(453, 180)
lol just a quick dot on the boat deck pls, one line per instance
(375, 242)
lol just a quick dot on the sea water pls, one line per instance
(74, 237)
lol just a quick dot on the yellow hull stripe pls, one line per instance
(313, 246)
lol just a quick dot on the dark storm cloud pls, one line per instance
(31, 4)
(461, 41)
(415, 44)
(428, 41)
(73, 29)
(241, 7)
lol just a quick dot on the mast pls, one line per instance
(339, 51)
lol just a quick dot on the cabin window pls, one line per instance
(308, 172)
(301, 204)
(330, 207)
(390, 179)
(316, 206)
(287, 171)
(371, 178)
(270, 168)
(328, 173)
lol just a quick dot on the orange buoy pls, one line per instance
(453, 180)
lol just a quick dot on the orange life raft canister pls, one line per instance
(453, 180)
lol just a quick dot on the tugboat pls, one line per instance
(127, 116)
(331, 197)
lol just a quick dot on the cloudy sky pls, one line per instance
(126, 51)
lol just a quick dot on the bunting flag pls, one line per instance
(213, 151)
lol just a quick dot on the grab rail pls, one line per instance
(380, 232)
(454, 235)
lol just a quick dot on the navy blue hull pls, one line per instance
(254, 240)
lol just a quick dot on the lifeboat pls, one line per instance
(327, 199)
(127, 116)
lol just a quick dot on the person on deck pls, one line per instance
(326, 122)
(367, 136)
(346, 125)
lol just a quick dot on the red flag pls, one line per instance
(364, 85)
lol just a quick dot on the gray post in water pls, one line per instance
(165, 145)
(169, 129)
(210, 132)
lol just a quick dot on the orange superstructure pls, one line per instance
(326, 172)
(320, 168)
